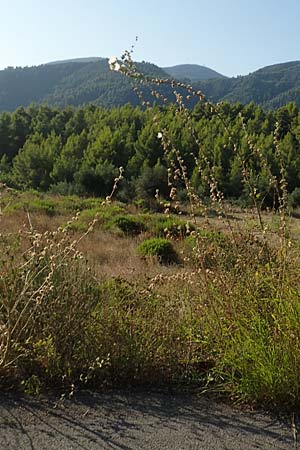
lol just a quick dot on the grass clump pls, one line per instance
(61, 327)
(46, 295)
(252, 329)
(145, 337)
(160, 248)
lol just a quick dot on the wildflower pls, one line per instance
(112, 60)
(159, 135)
(113, 64)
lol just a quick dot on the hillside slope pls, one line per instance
(193, 72)
(83, 81)
(272, 86)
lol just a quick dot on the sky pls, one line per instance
(233, 37)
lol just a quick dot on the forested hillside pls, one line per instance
(80, 150)
(192, 72)
(82, 82)
(72, 83)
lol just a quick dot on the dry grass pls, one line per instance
(91, 311)
(109, 254)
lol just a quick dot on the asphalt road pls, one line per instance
(131, 420)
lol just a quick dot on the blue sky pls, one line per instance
(234, 37)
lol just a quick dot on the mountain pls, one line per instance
(22, 86)
(70, 83)
(192, 72)
(89, 80)
(78, 60)
(271, 87)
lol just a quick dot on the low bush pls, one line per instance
(160, 248)
(163, 226)
(294, 198)
(130, 225)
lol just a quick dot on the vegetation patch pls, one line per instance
(160, 248)
(130, 225)
(171, 227)
(91, 308)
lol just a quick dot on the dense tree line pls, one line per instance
(80, 150)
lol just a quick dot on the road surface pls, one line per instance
(125, 420)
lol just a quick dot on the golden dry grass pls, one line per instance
(113, 255)
(108, 254)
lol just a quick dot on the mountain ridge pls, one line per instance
(193, 72)
(86, 59)
(85, 80)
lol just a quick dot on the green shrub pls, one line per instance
(163, 226)
(33, 204)
(130, 225)
(294, 198)
(46, 206)
(77, 226)
(66, 189)
(160, 248)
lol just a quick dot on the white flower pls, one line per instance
(159, 135)
(113, 64)
(112, 60)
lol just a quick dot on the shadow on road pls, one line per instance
(135, 420)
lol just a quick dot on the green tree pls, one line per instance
(69, 160)
(33, 165)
